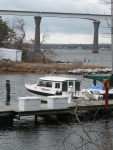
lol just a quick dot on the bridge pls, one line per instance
(88, 16)
(96, 18)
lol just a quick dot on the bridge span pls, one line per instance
(96, 18)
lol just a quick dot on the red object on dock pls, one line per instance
(106, 86)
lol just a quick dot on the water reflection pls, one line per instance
(91, 135)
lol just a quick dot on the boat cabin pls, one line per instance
(59, 84)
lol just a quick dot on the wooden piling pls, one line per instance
(7, 92)
(35, 119)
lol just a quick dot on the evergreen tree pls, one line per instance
(5, 32)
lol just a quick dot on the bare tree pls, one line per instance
(88, 134)
(20, 38)
(17, 40)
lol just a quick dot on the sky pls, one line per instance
(62, 30)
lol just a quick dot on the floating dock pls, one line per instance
(9, 112)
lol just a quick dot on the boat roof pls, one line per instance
(99, 77)
(53, 78)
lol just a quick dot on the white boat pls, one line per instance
(53, 85)
(94, 93)
(97, 92)
(91, 94)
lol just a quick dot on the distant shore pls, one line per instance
(14, 67)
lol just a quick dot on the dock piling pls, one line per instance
(7, 92)
(35, 119)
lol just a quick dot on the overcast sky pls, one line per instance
(62, 30)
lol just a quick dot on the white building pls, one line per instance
(10, 54)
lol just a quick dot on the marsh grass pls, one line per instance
(42, 67)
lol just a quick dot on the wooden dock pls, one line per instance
(12, 111)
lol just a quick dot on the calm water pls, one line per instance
(53, 135)
(102, 58)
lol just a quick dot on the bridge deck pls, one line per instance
(56, 14)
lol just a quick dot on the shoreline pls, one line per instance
(66, 68)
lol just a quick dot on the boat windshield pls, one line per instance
(44, 83)
(96, 92)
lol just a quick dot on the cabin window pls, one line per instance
(64, 86)
(57, 85)
(48, 84)
(45, 83)
(70, 83)
(77, 86)
(40, 83)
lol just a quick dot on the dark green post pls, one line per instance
(7, 92)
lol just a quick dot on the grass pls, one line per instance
(42, 67)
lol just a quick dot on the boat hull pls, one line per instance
(40, 90)
(40, 93)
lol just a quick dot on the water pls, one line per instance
(103, 58)
(53, 135)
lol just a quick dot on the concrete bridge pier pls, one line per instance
(37, 34)
(95, 41)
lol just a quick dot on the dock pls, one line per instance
(9, 112)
